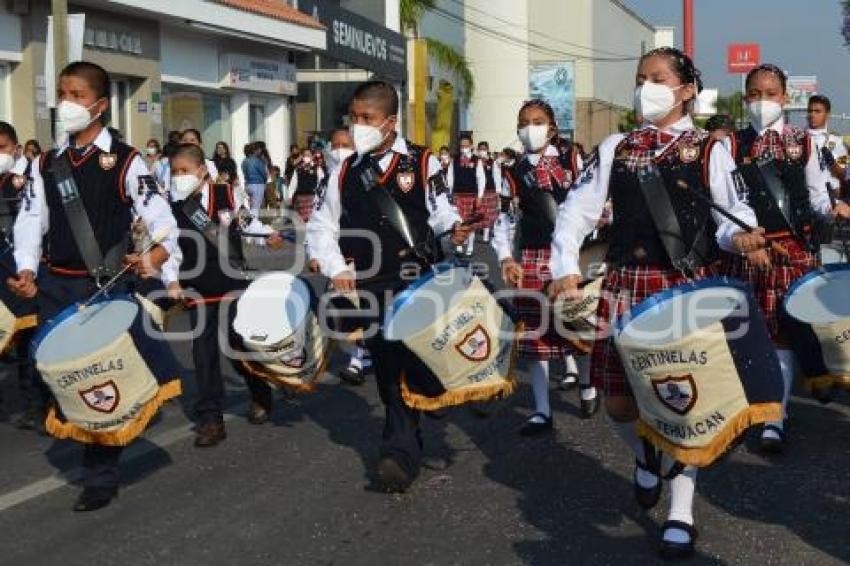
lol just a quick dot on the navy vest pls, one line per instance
(792, 171)
(406, 181)
(465, 177)
(100, 177)
(634, 240)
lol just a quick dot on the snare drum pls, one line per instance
(108, 375)
(818, 323)
(463, 344)
(277, 330)
(702, 368)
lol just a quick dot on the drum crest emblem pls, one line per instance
(795, 151)
(18, 181)
(677, 393)
(297, 361)
(688, 153)
(102, 398)
(475, 346)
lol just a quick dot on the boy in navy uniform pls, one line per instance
(411, 176)
(112, 182)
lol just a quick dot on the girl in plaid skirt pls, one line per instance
(466, 179)
(306, 179)
(544, 175)
(639, 265)
(804, 181)
(493, 180)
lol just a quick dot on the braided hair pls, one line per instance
(681, 64)
(771, 69)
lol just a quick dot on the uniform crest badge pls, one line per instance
(18, 181)
(405, 180)
(108, 161)
(475, 346)
(102, 398)
(795, 151)
(677, 393)
(688, 153)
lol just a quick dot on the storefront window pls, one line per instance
(184, 108)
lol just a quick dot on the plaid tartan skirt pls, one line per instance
(531, 310)
(303, 205)
(490, 204)
(623, 289)
(465, 204)
(771, 286)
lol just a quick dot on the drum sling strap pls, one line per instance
(667, 223)
(394, 215)
(96, 263)
(198, 217)
(7, 217)
(772, 179)
(543, 203)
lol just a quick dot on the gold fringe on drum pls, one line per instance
(58, 428)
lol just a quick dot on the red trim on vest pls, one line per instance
(511, 182)
(67, 272)
(389, 172)
(210, 200)
(706, 159)
(85, 157)
(122, 177)
(426, 157)
(574, 162)
(343, 170)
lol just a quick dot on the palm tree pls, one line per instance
(445, 55)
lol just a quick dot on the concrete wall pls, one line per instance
(500, 68)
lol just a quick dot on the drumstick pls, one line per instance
(474, 219)
(775, 246)
(156, 239)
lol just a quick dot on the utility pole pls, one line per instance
(688, 26)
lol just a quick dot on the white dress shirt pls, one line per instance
(820, 138)
(323, 227)
(480, 176)
(505, 229)
(580, 212)
(33, 222)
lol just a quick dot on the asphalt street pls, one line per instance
(300, 490)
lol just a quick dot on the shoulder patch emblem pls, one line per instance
(108, 161)
(688, 153)
(795, 151)
(405, 180)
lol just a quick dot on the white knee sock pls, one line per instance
(486, 234)
(470, 243)
(540, 385)
(628, 434)
(583, 369)
(682, 504)
(787, 363)
(570, 364)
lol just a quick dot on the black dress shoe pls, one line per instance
(567, 382)
(772, 444)
(258, 413)
(394, 479)
(353, 375)
(647, 497)
(94, 498)
(538, 423)
(210, 434)
(589, 407)
(678, 550)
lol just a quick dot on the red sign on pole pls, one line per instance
(742, 57)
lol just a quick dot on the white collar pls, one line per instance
(677, 128)
(103, 141)
(399, 145)
(551, 151)
(778, 127)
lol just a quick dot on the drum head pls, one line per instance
(675, 313)
(820, 297)
(418, 306)
(272, 309)
(74, 333)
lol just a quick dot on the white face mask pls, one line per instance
(764, 113)
(73, 117)
(151, 151)
(482, 154)
(509, 163)
(534, 137)
(653, 101)
(7, 162)
(466, 151)
(182, 186)
(445, 158)
(367, 138)
(340, 154)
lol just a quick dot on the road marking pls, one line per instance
(134, 452)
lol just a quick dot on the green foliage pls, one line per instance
(447, 56)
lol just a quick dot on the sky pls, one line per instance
(801, 36)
